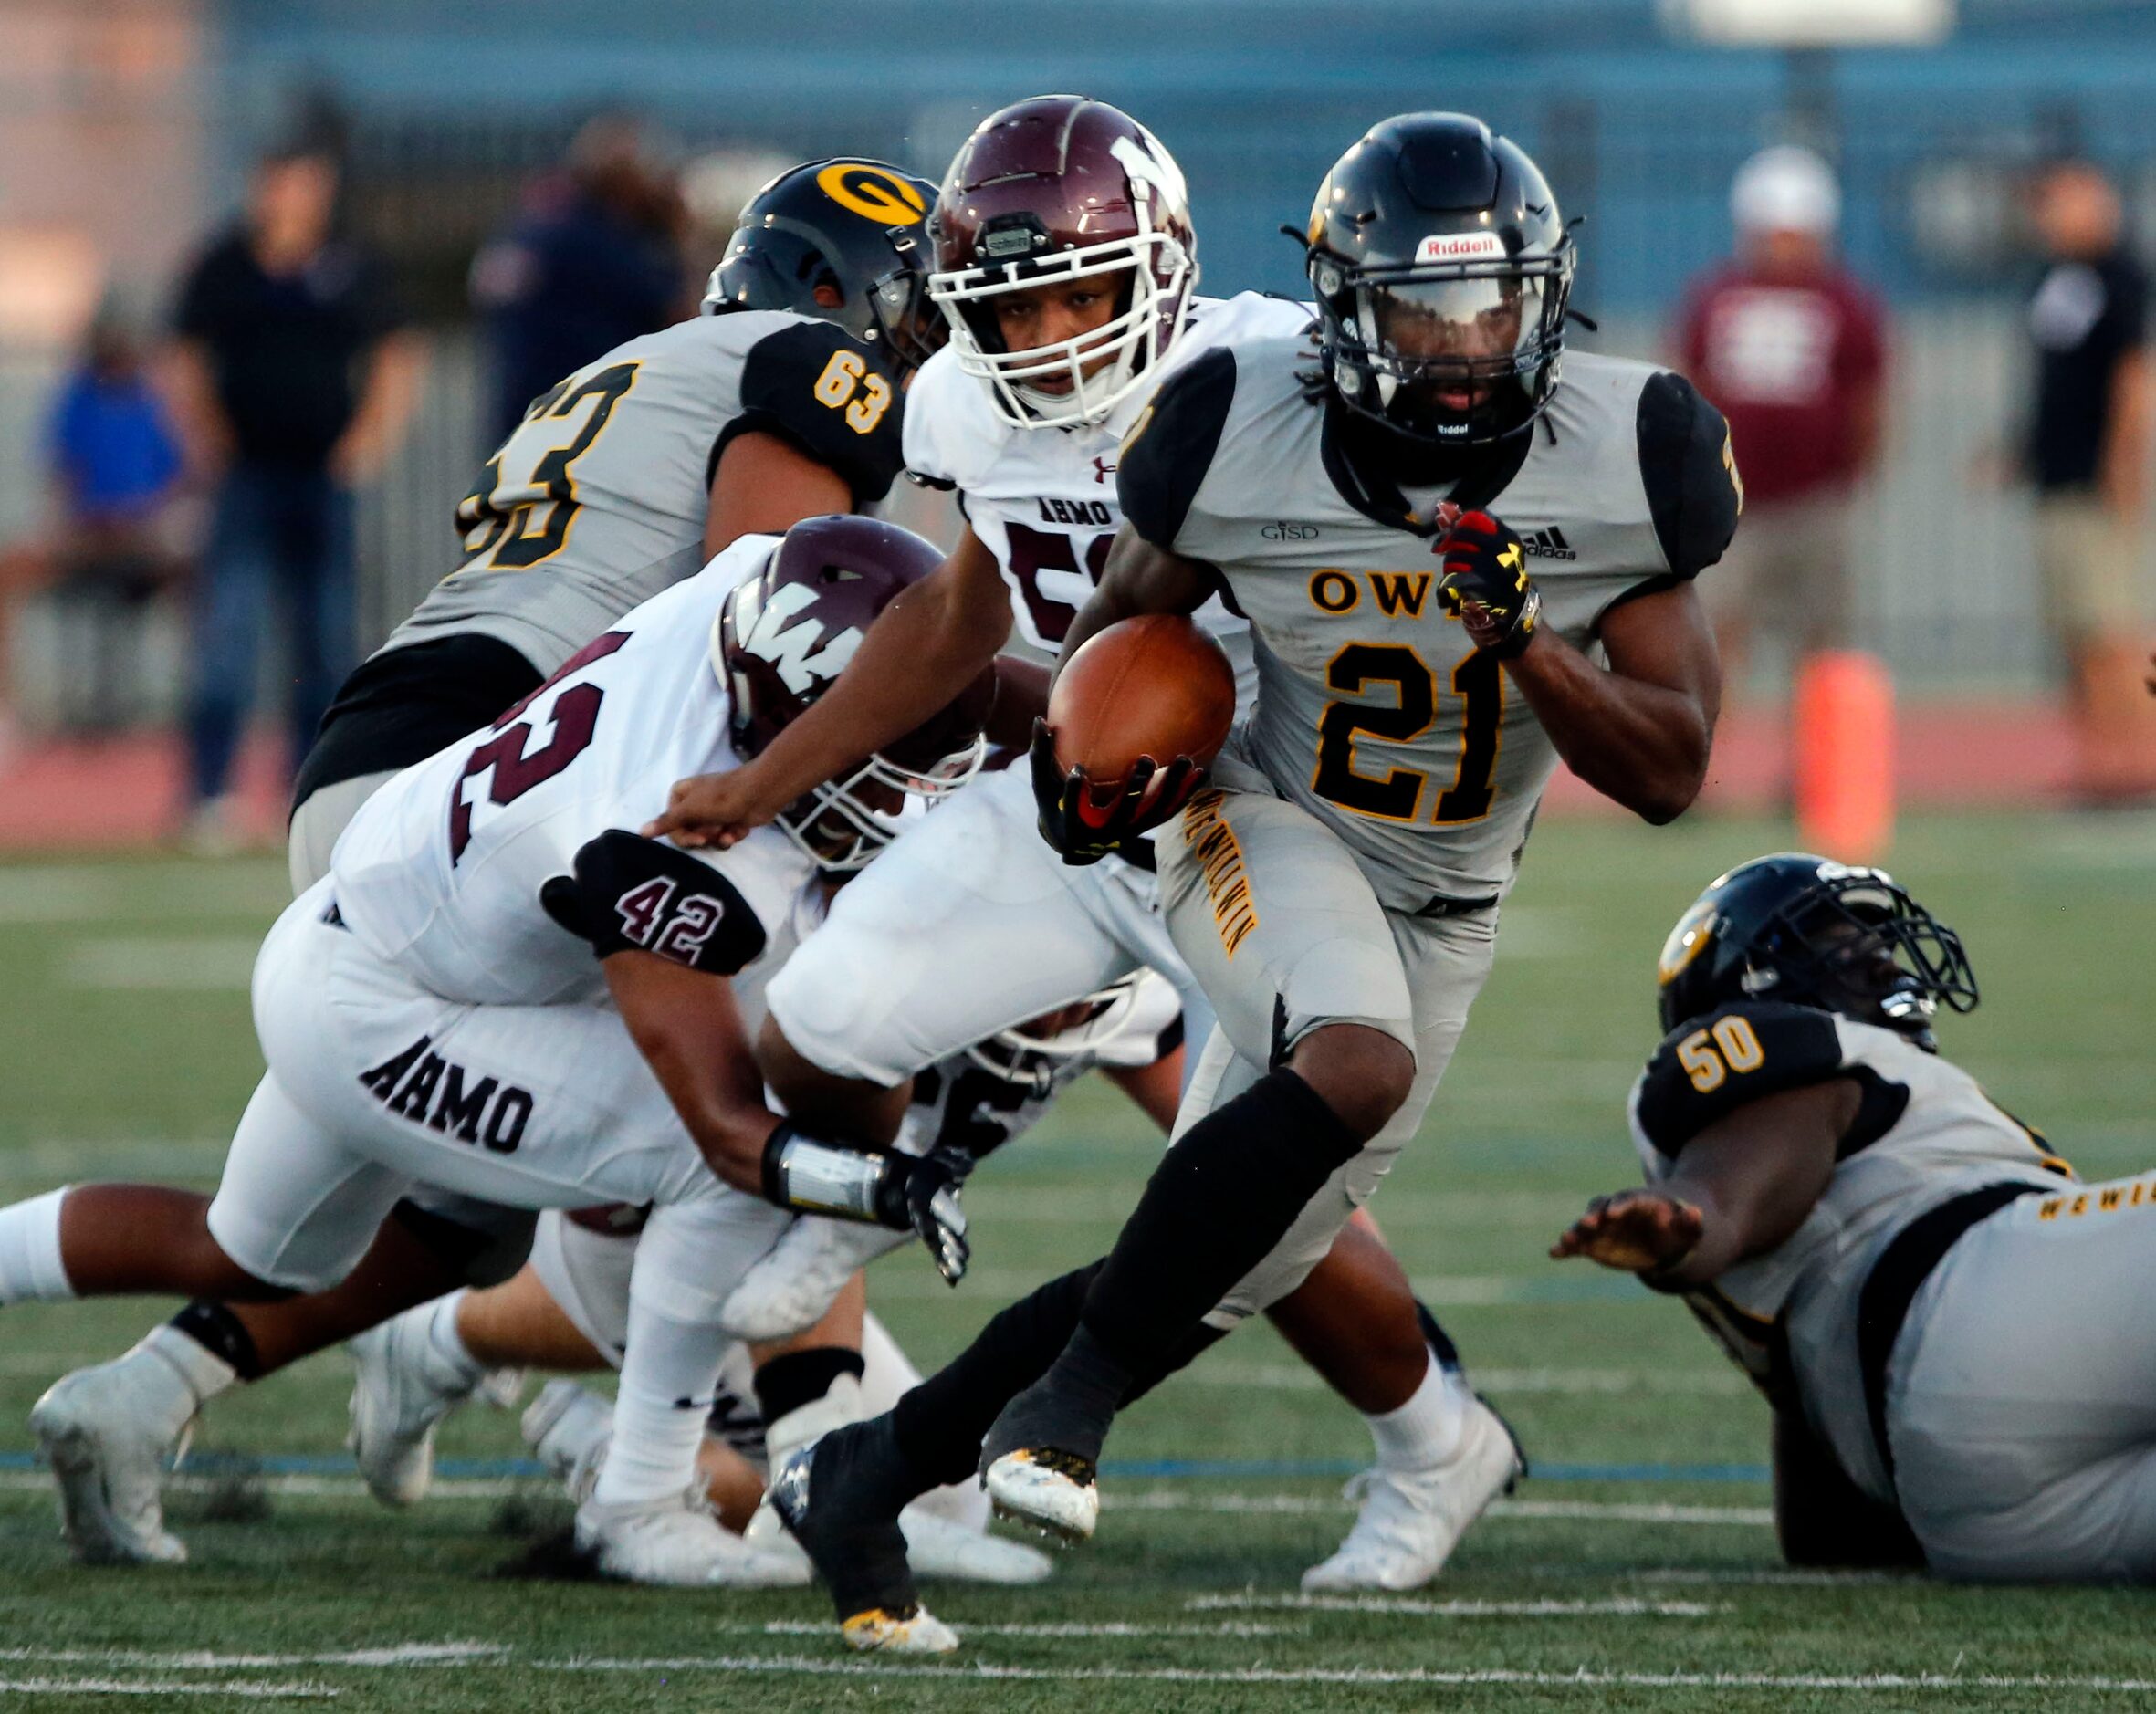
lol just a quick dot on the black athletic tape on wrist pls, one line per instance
(817, 1177)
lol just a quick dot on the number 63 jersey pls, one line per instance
(1374, 712)
(597, 500)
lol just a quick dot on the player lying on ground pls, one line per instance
(1066, 267)
(1336, 892)
(568, 1309)
(501, 992)
(1953, 1333)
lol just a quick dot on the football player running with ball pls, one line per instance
(1066, 267)
(1953, 1333)
(1335, 891)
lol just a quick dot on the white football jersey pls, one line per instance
(442, 872)
(1042, 500)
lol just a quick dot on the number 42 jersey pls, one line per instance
(489, 873)
(1374, 712)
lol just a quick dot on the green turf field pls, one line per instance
(1636, 1572)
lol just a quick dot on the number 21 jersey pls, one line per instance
(1374, 712)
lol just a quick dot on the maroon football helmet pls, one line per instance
(786, 632)
(1060, 188)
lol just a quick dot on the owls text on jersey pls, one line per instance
(1924, 1132)
(491, 872)
(1043, 501)
(597, 500)
(1375, 711)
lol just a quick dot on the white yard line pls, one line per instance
(204, 1660)
(246, 1687)
(1584, 1679)
(1614, 1606)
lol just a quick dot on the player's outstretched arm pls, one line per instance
(923, 650)
(687, 1027)
(1641, 730)
(1743, 1185)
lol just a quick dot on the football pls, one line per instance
(1155, 685)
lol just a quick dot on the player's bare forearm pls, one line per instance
(1743, 1186)
(1140, 578)
(1022, 696)
(1640, 730)
(685, 1024)
(765, 486)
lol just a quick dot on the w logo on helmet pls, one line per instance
(1145, 163)
(803, 654)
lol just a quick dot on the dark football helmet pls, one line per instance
(786, 632)
(1814, 932)
(1443, 269)
(854, 226)
(1060, 188)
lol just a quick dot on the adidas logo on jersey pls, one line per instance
(1547, 544)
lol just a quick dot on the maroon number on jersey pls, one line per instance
(1033, 551)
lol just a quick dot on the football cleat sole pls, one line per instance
(910, 1631)
(1051, 1491)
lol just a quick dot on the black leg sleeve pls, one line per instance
(1218, 1201)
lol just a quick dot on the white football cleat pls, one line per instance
(917, 1632)
(1048, 1490)
(679, 1543)
(1412, 1520)
(940, 1548)
(568, 1427)
(106, 1432)
(403, 1389)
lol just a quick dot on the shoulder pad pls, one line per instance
(817, 387)
(635, 894)
(1711, 1065)
(1689, 471)
(1169, 449)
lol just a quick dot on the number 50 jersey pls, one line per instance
(597, 499)
(1374, 712)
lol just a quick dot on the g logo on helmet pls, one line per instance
(872, 191)
(1693, 935)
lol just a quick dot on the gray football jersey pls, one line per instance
(1925, 1132)
(596, 502)
(1374, 712)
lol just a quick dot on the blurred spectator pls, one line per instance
(115, 464)
(2087, 454)
(595, 258)
(1791, 348)
(294, 377)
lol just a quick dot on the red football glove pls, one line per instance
(1486, 584)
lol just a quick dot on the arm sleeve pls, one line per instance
(1708, 1067)
(631, 893)
(1165, 456)
(1689, 471)
(839, 410)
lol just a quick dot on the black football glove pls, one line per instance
(925, 1196)
(1486, 585)
(1075, 820)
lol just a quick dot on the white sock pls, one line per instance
(30, 1269)
(669, 1371)
(1426, 1430)
(204, 1372)
(445, 1344)
(817, 1417)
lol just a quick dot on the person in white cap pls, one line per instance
(1791, 348)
